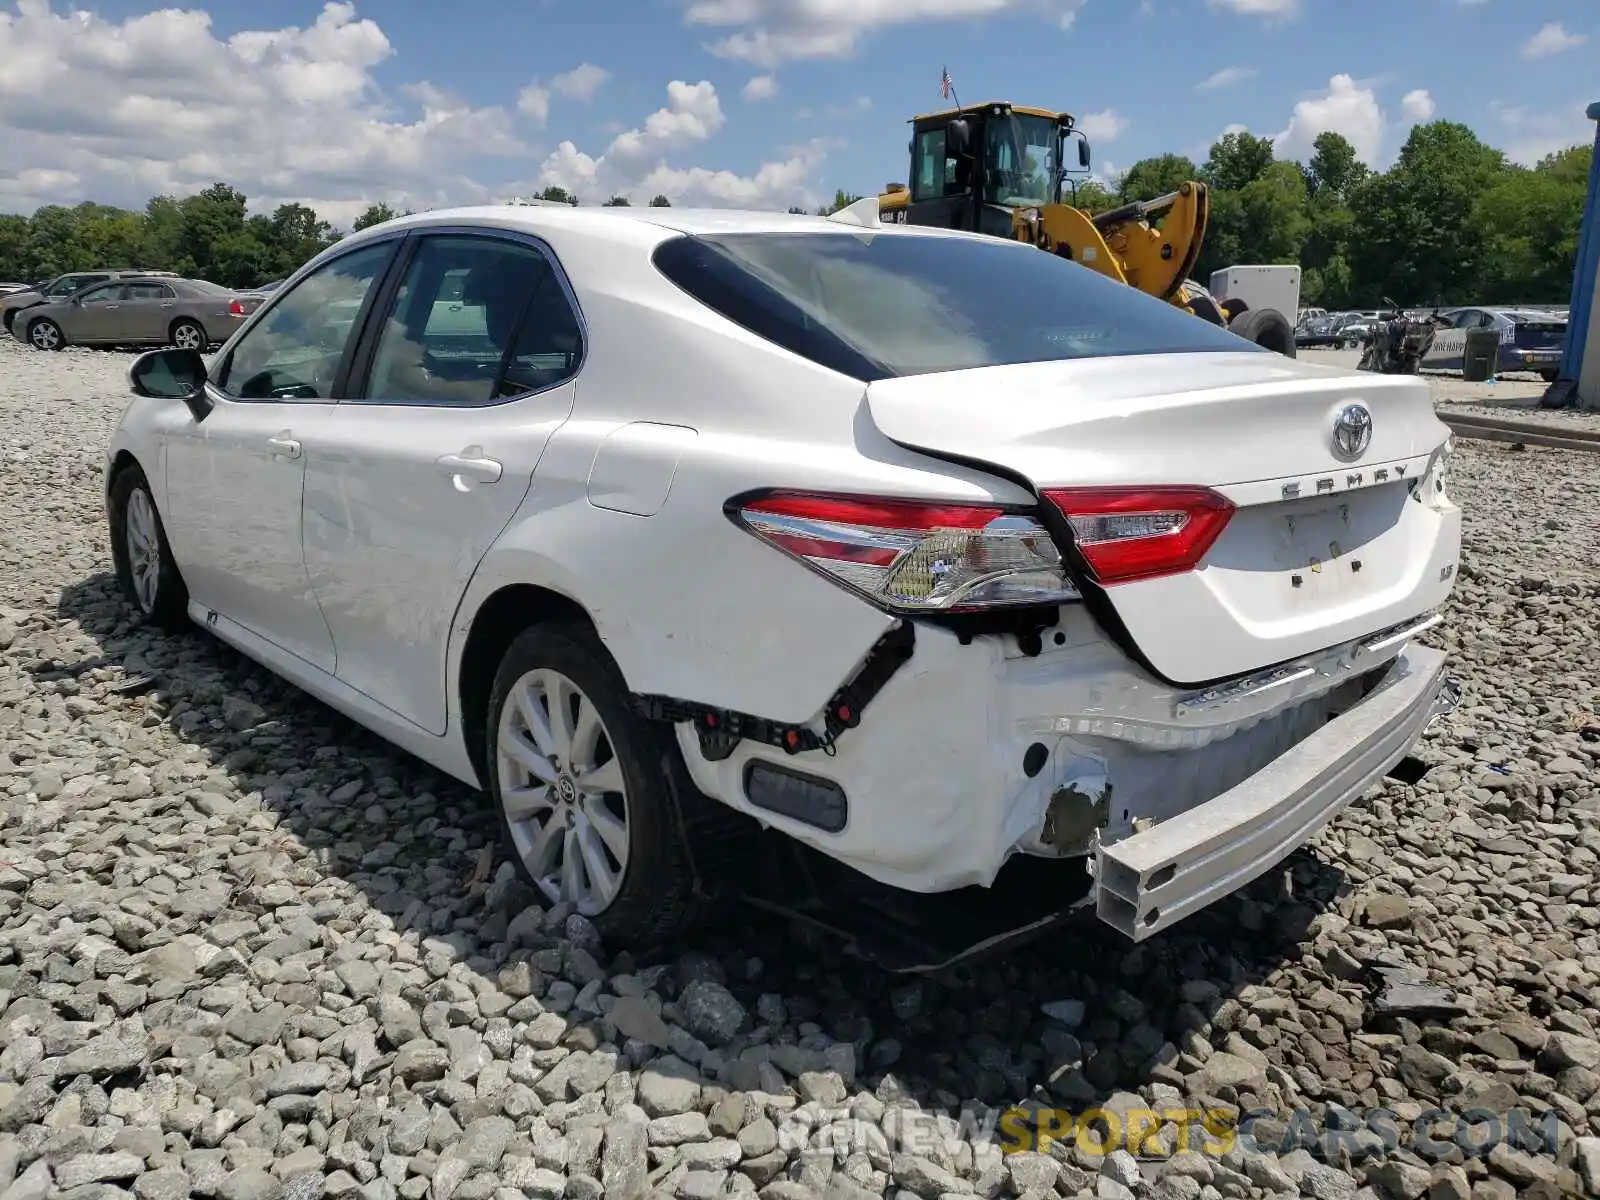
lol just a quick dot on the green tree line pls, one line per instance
(1452, 221)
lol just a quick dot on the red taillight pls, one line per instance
(1126, 534)
(913, 555)
(236, 308)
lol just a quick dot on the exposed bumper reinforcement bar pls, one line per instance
(1151, 880)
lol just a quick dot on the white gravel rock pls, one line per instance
(239, 956)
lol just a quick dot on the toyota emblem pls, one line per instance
(1352, 431)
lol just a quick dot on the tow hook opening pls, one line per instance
(1409, 770)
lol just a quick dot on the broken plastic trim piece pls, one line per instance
(722, 729)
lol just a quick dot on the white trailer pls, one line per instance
(1275, 287)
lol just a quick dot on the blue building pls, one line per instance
(1580, 360)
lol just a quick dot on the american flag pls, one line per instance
(945, 86)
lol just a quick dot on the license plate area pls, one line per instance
(1310, 555)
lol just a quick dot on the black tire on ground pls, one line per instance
(1206, 309)
(1549, 376)
(656, 902)
(170, 608)
(45, 334)
(1267, 328)
(188, 334)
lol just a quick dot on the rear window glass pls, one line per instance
(877, 306)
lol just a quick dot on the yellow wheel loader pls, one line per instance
(998, 168)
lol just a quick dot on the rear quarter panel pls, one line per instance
(690, 605)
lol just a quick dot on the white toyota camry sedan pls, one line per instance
(927, 551)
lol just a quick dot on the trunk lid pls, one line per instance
(1323, 547)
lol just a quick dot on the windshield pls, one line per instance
(205, 285)
(906, 304)
(1021, 156)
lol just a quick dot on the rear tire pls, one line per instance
(142, 555)
(188, 335)
(1267, 328)
(45, 334)
(1549, 376)
(586, 810)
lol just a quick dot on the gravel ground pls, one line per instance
(247, 951)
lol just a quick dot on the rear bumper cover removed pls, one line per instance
(1151, 880)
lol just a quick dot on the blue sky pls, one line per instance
(466, 101)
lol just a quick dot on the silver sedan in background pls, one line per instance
(189, 313)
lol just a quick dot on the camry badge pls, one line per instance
(1352, 431)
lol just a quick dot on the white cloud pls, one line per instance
(1224, 78)
(1346, 107)
(533, 102)
(762, 87)
(1530, 136)
(1259, 8)
(580, 83)
(118, 110)
(1103, 126)
(635, 164)
(1551, 39)
(1417, 106)
(766, 33)
(773, 185)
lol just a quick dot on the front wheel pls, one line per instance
(188, 335)
(580, 782)
(142, 556)
(45, 334)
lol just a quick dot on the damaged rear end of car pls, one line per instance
(1183, 644)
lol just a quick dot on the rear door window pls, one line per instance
(891, 304)
(476, 319)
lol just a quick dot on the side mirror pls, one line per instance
(958, 137)
(1083, 153)
(172, 374)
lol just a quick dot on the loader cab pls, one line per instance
(972, 167)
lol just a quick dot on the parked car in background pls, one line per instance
(665, 525)
(63, 286)
(191, 313)
(1318, 331)
(1530, 340)
(7, 289)
(1354, 329)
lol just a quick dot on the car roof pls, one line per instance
(629, 225)
(1527, 314)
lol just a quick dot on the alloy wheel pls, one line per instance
(187, 337)
(563, 791)
(143, 544)
(45, 335)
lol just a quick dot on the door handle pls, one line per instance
(284, 445)
(471, 463)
